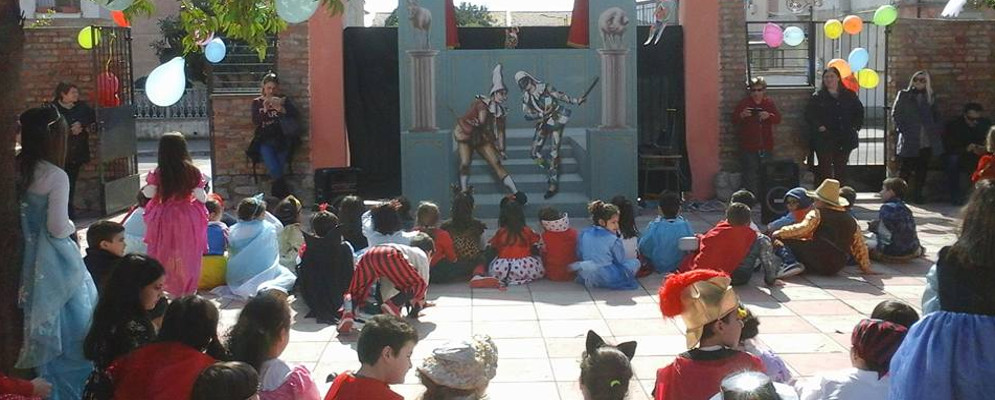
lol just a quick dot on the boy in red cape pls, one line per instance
(710, 310)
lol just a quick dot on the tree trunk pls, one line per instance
(11, 56)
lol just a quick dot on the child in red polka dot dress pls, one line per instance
(517, 248)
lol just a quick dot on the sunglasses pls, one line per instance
(791, 200)
(919, 80)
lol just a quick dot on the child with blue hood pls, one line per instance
(798, 204)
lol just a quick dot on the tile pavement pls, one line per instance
(539, 328)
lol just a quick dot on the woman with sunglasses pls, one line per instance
(755, 116)
(57, 293)
(81, 121)
(834, 115)
(917, 122)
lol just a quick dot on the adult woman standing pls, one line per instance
(81, 119)
(834, 115)
(755, 116)
(122, 321)
(57, 293)
(276, 133)
(917, 121)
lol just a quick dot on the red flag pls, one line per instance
(452, 35)
(579, 36)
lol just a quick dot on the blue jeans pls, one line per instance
(751, 161)
(275, 160)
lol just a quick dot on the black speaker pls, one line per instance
(776, 179)
(331, 183)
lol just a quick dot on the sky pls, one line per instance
(493, 5)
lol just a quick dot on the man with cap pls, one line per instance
(827, 235)
(710, 309)
(541, 105)
(482, 129)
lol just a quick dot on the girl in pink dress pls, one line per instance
(258, 338)
(175, 218)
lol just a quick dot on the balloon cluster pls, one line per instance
(773, 35)
(854, 69)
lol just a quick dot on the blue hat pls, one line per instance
(800, 194)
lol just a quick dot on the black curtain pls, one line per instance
(373, 109)
(660, 101)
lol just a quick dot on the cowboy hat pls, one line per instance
(829, 192)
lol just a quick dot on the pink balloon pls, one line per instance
(773, 35)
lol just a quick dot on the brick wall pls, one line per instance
(51, 55)
(732, 77)
(232, 129)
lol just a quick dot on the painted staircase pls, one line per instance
(531, 179)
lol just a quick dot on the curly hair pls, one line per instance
(601, 211)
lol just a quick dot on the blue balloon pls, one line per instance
(215, 50)
(858, 58)
(794, 36)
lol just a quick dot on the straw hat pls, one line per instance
(829, 192)
(699, 297)
(466, 365)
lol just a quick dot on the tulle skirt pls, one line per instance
(176, 234)
(612, 276)
(946, 355)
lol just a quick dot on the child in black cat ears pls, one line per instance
(605, 370)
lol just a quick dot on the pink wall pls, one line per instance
(329, 141)
(701, 72)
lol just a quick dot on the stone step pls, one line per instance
(573, 203)
(535, 182)
(525, 151)
(522, 166)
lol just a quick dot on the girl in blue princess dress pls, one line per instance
(603, 261)
(254, 254)
(57, 294)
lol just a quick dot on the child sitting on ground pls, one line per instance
(326, 267)
(559, 244)
(443, 264)
(985, 170)
(134, 226)
(798, 204)
(516, 246)
(260, 335)
(850, 194)
(873, 342)
(601, 255)
(732, 247)
(605, 370)
(254, 256)
(350, 213)
(217, 231)
(467, 232)
(105, 247)
(777, 370)
(231, 380)
(659, 243)
(383, 225)
(752, 385)
(288, 211)
(404, 212)
(384, 348)
(710, 310)
(627, 226)
(402, 266)
(895, 228)
(460, 370)
(746, 197)
(896, 312)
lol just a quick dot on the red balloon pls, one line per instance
(850, 82)
(119, 19)
(107, 89)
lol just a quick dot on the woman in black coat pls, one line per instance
(917, 122)
(834, 115)
(82, 121)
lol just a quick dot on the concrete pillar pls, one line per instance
(423, 90)
(700, 20)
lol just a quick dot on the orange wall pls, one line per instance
(700, 19)
(329, 141)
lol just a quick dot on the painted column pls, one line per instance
(329, 138)
(613, 93)
(423, 90)
(700, 19)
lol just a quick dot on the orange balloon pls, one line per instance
(852, 24)
(119, 19)
(851, 83)
(842, 66)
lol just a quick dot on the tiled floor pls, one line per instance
(539, 328)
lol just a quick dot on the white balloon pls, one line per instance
(118, 5)
(296, 11)
(167, 82)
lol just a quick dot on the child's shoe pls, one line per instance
(345, 323)
(484, 282)
(791, 270)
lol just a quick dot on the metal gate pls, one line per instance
(117, 152)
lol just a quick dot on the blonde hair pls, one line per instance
(929, 84)
(427, 214)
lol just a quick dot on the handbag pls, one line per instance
(253, 151)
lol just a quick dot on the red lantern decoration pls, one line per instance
(107, 89)
(119, 19)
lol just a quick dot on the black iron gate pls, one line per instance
(117, 153)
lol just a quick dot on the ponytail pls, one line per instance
(601, 211)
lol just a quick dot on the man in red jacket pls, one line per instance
(755, 116)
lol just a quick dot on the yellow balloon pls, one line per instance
(833, 29)
(867, 78)
(88, 37)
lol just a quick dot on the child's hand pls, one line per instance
(41, 387)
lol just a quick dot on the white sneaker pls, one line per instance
(791, 270)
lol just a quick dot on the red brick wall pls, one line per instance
(232, 128)
(51, 55)
(732, 76)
